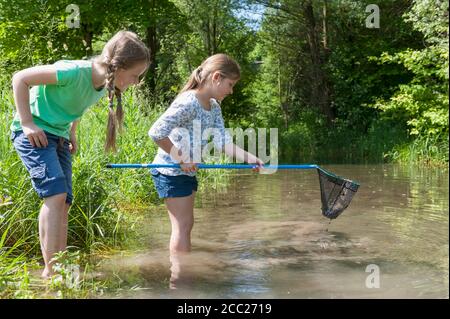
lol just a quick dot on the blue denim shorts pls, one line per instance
(50, 167)
(173, 186)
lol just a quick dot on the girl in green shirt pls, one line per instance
(43, 129)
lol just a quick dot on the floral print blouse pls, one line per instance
(190, 127)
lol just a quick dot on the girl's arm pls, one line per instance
(235, 151)
(168, 147)
(73, 127)
(177, 115)
(73, 137)
(21, 82)
(225, 143)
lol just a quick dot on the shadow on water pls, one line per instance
(264, 237)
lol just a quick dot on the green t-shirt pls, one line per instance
(55, 106)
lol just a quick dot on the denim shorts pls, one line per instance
(50, 167)
(173, 186)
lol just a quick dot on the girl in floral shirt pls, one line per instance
(195, 108)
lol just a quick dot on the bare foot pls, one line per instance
(46, 274)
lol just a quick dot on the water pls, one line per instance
(263, 236)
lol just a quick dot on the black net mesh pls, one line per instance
(336, 193)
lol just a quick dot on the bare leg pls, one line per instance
(181, 272)
(51, 235)
(64, 228)
(181, 214)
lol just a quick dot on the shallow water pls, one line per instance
(263, 236)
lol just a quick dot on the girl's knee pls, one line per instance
(187, 226)
(58, 199)
(184, 227)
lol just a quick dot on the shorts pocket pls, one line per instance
(38, 172)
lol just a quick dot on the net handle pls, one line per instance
(233, 166)
(221, 166)
(248, 166)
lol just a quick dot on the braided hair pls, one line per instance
(123, 51)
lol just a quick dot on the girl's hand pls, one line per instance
(73, 147)
(36, 136)
(188, 167)
(259, 164)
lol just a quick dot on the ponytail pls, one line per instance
(222, 63)
(195, 80)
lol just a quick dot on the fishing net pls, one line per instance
(336, 193)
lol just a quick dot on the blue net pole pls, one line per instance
(222, 166)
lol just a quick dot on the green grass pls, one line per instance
(430, 150)
(384, 142)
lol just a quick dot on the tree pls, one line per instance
(422, 103)
(214, 27)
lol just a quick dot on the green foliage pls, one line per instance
(380, 78)
(36, 32)
(214, 28)
(424, 109)
(430, 17)
(423, 102)
(71, 278)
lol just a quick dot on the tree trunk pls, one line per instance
(214, 32)
(320, 91)
(152, 44)
(324, 25)
(87, 37)
(283, 103)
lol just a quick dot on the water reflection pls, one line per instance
(188, 270)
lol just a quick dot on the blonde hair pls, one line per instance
(222, 63)
(123, 51)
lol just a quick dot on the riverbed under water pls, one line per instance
(263, 236)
